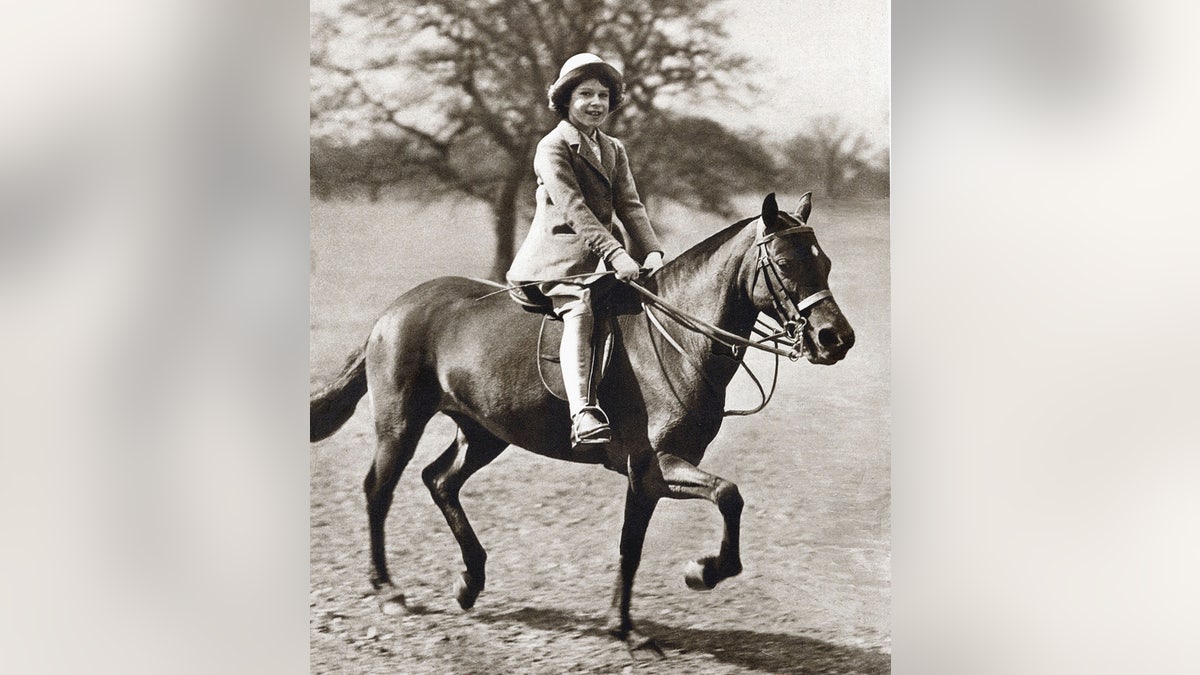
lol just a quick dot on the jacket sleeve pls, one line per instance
(552, 162)
(628, 205)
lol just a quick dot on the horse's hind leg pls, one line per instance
(397, 440)
(473, 449)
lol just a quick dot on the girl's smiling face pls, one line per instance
(589, 105)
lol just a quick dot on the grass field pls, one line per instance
(814, 469)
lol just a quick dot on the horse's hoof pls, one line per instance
(693, 575)
(393, 605)
(642, 647)
(465, 593)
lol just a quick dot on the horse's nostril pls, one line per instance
(828, 337)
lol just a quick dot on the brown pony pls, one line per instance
(440, 348)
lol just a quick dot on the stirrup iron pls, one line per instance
(600, 434)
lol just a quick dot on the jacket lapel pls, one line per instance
(575, 139)
(608, 155)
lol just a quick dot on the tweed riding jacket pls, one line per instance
(577, 196)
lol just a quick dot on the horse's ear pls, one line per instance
(770, 212)
(804, 208)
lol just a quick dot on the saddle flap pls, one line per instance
(549, 339)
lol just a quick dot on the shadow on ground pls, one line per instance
(772, 652)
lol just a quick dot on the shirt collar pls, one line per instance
(574, 136)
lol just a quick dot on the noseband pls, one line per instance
(792, 312)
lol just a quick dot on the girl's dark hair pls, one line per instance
(560, 99)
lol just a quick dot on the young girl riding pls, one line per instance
(583, 181)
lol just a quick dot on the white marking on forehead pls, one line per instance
(816, 251)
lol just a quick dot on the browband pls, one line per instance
(799, 229)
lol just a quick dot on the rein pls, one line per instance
(652, 319)
(572, 277)
(698, 325)
(792, 312)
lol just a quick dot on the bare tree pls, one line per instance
(874, 177)
(472, 98)
(827, 155)
(707, 173)
(372, 165)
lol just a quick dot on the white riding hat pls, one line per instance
(579, 65)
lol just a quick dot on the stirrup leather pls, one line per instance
(600, 434)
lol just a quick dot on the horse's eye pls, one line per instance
(784, 263)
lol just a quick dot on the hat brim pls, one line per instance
(582, 73)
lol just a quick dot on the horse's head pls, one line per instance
(790, 284)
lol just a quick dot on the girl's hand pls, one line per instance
(625, 266)
(653, 261)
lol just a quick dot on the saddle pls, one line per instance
(618, 300)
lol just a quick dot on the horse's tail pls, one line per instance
(329, 408)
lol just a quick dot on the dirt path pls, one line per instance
(813, 469)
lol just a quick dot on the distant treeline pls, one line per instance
(828, 158)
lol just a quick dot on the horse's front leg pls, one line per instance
(638, 510)
(682, 480)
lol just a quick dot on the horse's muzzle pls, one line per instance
(827, 337)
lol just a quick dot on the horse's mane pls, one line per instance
(703, 250)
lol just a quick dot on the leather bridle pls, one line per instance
(793, 314)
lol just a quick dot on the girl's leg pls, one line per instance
(576, 355)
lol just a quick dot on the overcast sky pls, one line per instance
(814, 57)
(811, 57)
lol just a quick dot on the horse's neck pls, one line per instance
(710, 281)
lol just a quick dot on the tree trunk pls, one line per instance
(833, 175)
(505, 226)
